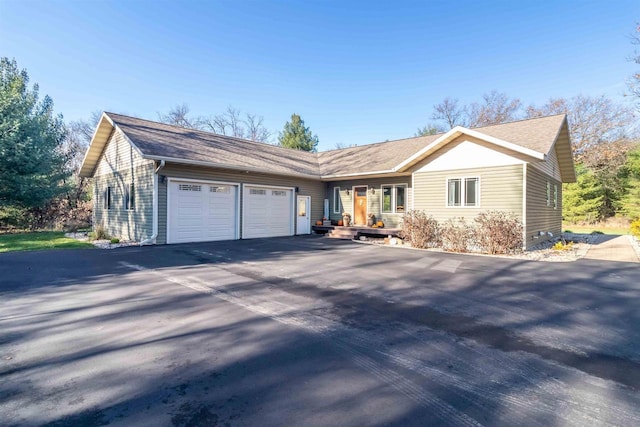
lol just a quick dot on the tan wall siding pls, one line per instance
(550, 165)
(306, 187)
(134, 224)
(118, 155)
(374, 201)
(500, 189)
(540, 217)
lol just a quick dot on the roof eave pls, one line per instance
(230, 167)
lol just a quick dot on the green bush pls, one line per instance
(115, 240)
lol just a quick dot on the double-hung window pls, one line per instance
(337, 201)
(463, 192)
(394, 198)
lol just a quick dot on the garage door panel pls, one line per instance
(201, 212)
(267, 212)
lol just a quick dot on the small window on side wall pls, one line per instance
(548, 193)
(107, 197)
(463, 192)
(337, 201)
(555, 196)
(129, 198)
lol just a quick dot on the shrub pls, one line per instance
(498, 232)
(635, 228)
(420, 229)
(99, 233)
(114, 240)
(456, 235)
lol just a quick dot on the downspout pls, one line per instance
(152, 240)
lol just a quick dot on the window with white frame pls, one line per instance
(548, 193)
(107, 198)
(555, 196)
(463, 192)
(129, 197)
(394, 198)
(337, 201)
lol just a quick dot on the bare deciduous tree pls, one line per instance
(600, 128)
(230, 123)
(495, 108)
(179, 116)
(256, 131)
(450, 113)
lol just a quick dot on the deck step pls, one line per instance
(342, 234)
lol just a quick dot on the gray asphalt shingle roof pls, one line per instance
(159, 140)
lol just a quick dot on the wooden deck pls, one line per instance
(353, 232)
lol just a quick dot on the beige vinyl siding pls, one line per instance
(306, 187)
(128, 224)
(550, 165)
(540, 217)
(119, 155)
(500, 189)
(374, 201)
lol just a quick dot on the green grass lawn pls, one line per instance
(39, 241)
(589, 229)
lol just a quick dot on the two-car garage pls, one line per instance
(201, 211)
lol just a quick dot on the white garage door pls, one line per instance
(267, 212)
(201, 212)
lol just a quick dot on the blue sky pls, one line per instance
(357, 72)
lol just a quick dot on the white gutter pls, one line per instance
(152, 240)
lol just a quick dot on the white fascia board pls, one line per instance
(93, 145)
(231, 167)
(458, 131)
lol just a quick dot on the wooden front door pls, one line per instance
(360, 205)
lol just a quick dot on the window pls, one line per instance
(463, 192)
(555, 196)
(219, 189)
(129, 198)
(107, 198)
(257, 192)
(394, 198)
(548, 193)
(337, 201)
(278, 193)
(189, 187)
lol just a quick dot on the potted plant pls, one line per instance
(346, 218)
(371, 219)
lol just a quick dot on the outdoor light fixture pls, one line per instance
(346, 191)
(373, 190)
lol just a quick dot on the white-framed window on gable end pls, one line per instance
(394, 198)
(463, 192)
(555, 196)
(337, 201)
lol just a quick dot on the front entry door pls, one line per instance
(303, 221)
(360, 205)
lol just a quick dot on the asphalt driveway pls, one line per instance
(311, 331)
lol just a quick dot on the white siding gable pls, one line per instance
(466, 155)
